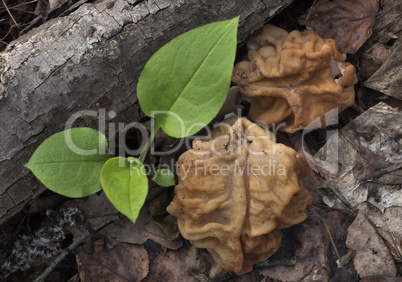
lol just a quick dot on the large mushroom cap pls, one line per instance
(236, 190)
(294, 77)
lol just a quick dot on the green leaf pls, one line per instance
(187, 80)
(70, 162)
(125, 184)
(163, 177)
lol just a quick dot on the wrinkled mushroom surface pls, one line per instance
(294, 77)
(236, 190)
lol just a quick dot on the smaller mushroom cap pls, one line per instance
(295, 78)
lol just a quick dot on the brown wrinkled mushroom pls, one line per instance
(294, 77)
(236, 191)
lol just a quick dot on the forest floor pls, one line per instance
(351, 233)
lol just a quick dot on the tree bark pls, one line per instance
(88, 60)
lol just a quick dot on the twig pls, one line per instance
(19, 5)
(8, 11)
(309, 12)
(24, 11)
(333, 244)
(76, 242)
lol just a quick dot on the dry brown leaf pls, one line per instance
(350, 23)
(388, 226)
(138, 233)
(318, 273)
(187, 264)
(47, 202)
(307, 241)
(372, 256)
(124, 262)
(381, 279)
(312, 179)
(390, 220)
(310, 243)
(364, 160)
(388, 78)
(96, 208)
(166, 222)
(388, 23)
(338, 223)
(372, 59)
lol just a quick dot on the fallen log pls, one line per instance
(87, 60)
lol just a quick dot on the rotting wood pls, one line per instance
(96, 53)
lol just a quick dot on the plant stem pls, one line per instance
(149, 142)
(76, 242)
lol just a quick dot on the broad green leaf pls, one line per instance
(163, 177)
(125, 184)
(185, 83)
(70, 162)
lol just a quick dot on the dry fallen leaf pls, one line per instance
(96, 208)
(350, 23)
(364, 160)
(388, 23)
(388, 78)
(47, 202)
(372, 59)
(312, 179)
(388, 226)
(318, 273)
(165, 221)
(381, 279)
(338, 223)
(124, 262)
(138, 233)
(186, 264)
(372, 256)
(309, 242)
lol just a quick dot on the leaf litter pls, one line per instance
(123, 262)
(388, 78)
(368, 184)
(350, 23)
(97, 208)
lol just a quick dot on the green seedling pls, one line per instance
(182, 87)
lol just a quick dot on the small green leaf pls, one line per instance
(187, 80)
(125, 184)
(163, 177)
(70, 162)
